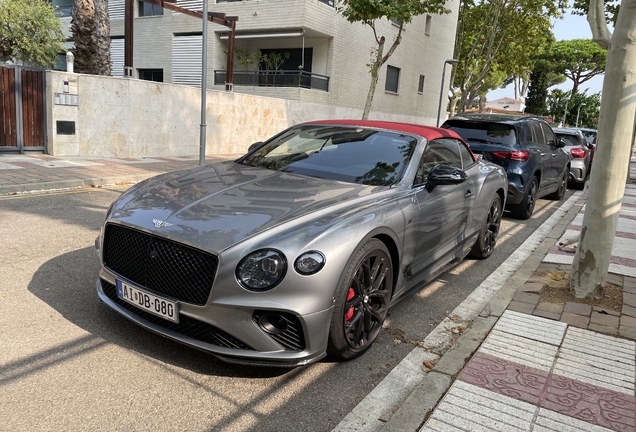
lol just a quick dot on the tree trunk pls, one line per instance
(83, 28)
(575, 88)
(375, 69)
(452, 108)
(102, 37)
(524, 89)
(377, 64)
(607, 184)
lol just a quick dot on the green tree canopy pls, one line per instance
(578, 59)
(580, 7)
(503, 32)
(587, 107)
(368, 12)
(30, 32)
(542, 77)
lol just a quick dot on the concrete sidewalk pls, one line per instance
(533, 363)
(37, 172)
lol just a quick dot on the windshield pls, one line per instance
(351, 154)
(484, 132)
(590, 136)
(570, 140)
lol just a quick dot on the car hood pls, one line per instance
(222, 204)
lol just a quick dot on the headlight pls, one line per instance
(309, 263)
(261, 270)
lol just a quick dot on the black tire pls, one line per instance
(524, 209)
(487, 239)
(558, 194)
(578, 185)
(362, 301)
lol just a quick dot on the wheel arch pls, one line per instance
(502, 196)
(395, 257)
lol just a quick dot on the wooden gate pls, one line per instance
(22, 110)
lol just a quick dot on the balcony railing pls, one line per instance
(327, 2)
(279, 78)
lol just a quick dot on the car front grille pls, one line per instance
(187, 326)
(160, 265)
(292, 339)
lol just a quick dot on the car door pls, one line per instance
(544, 156)
(559, 157)
(442, 211)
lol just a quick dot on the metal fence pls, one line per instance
(278, 78)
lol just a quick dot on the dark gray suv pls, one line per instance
(526, 147)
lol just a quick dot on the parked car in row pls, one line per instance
(576, 146)
(297, 249)
(528, 150)
(590, 137)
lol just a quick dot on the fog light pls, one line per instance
(272, 323)
(309, 263)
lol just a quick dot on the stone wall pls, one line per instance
(130, 118)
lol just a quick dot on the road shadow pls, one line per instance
(67, 284)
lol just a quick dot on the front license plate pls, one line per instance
(150, 303)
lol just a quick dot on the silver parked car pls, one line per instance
(297, 249)
(576, 147)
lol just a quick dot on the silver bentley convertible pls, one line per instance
(297, 249)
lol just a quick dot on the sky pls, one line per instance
(570, 27)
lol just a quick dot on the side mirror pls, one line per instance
(444, 175)
(254, 146)
(561, 143)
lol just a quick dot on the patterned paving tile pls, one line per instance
(505, 377)
(466, 407)
(532, 327)
(590, 403)
(597, 359)
(548, 421)
(520, 350)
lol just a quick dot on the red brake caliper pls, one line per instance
(349, 313)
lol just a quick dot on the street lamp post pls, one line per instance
(441, 92)
(204, 83)
(565, 113)
(577, 114)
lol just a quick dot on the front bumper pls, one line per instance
(233, 335)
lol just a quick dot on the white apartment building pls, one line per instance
(331, 52)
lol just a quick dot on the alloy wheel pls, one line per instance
(493, 222)
(367, 299)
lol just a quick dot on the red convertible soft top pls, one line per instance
(428, 132)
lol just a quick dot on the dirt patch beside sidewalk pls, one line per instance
(557, 290)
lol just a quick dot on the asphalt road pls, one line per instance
(69, 363)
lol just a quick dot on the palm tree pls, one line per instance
(102, 37)
(90, 27)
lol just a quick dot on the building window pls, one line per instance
(392, 79)
(63, 8)
(420, 86)
(149, 9)
(427, 27)
(398, 22)
(151, 74)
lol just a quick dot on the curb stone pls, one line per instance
(416, 408)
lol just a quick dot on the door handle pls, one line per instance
(542, 154)
(468, 194)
